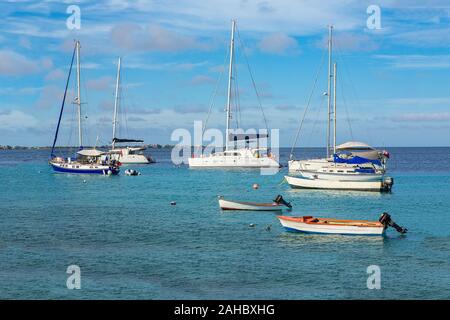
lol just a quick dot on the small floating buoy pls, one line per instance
(173, 203)
(84, 181)
(251, 225)
(255, 186)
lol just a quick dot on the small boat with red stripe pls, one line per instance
(276, 205)
(315, 225)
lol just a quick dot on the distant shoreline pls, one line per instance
(8, 147)
(169, 146)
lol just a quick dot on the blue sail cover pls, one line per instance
(355, 160)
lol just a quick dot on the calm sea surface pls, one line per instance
(131, 243)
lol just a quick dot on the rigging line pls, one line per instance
(353, 89)
(63, 102)
(237, 100)
(253, 80)
(341, 84)
(318, 116)
(344, 100)
(308, 104)
(214, 93)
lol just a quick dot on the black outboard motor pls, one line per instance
(386, 220)
(279, 199)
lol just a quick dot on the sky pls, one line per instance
(393, 76)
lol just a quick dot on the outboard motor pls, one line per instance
(279, 199)
(386, 220)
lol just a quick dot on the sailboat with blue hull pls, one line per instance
(86, 161)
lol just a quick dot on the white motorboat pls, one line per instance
(126, 154)
(275, 205)
(232, 156)
(384, 184)
(315, 225)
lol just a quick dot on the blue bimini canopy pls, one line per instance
(355, 160)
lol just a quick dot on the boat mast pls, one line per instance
(334, 108)
(230, 76)
(330, 38)
(116, 104)
(78, 99)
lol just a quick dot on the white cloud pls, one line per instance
(133, 37)
(423, 117)
(416, 61)
(15, 119)
(202, 80)
(100, 84)
(15, 64)
(279, 43)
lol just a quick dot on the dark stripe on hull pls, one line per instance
(82, 171)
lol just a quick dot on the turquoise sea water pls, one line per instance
(131, 243)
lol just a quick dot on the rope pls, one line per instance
(253, 80)
(307, 105)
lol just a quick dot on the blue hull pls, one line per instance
(84, 171)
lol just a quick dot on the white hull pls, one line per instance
(242, 158)
(314, 164)
(331, 229)
(234, 205)
(335, 176)
(130, 158)
(297, 182)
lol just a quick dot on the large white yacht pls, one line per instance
(233, 157)
(352, 162)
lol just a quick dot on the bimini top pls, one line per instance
(90, 152)
(354, 145)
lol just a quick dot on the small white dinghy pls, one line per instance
(276, 205)
(132, 172)
(309, 224)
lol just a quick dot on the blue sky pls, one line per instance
(393, 83)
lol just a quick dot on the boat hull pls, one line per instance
(83, 169)
(131, 158)
(305, 183)
(232, 162)
(334, 176)
(295, 224)
(247, 206)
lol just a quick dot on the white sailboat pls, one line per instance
(354, 162)
(127, 154)
(86, 161)
(233, 157)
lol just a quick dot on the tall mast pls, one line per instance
(330, 42)
(78, 100)
(334, 107)
(116, 103)
(230, 75)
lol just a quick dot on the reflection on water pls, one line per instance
(335, 193)
(310, 241)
